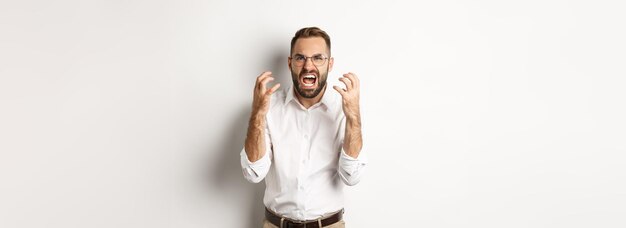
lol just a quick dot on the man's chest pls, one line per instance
(305, 140)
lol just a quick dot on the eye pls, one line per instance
(318, 58)
(299, 58)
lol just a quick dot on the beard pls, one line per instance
(321, 78)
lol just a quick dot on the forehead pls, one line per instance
(310, 46)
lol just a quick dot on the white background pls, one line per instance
(476, 114)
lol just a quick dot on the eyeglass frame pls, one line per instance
(306, 58)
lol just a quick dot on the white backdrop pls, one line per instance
(476, 114)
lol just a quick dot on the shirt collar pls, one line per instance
(327, 101)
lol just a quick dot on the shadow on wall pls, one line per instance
(280, 69)
(226, 172)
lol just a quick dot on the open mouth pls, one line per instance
(309, 81)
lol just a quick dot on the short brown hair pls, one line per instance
(310, 32)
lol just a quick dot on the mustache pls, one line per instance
(317, 73)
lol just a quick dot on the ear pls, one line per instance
(331, 61)
(289, 62)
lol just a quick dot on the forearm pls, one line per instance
(255, 139)
(351, 162)
(353, 141)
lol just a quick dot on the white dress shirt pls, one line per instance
(304, 166)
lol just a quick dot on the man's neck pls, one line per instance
(308, 102)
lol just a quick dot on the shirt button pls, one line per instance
(306, 136)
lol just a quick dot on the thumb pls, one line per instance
(273, 89)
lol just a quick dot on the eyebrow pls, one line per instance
(311, 56)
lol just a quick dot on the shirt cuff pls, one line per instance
(352, 166)
(256, 169)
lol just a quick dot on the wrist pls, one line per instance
(257, 114)
(257, 119)
(353, 119)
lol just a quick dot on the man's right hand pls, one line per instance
(261, 99)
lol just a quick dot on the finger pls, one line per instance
(356, 80)
(273, 89)
(262, 76)
(347, 82)
(263, 83)
(356, 83)
(340, 90)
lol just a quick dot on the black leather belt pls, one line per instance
(288, 223)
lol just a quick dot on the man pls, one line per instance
(306, 140)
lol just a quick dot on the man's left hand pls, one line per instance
(350, 96)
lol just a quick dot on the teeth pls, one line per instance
(309, 76)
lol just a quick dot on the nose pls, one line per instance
(308, 64)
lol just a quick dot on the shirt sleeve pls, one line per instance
(255, 171)
(351, 169)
